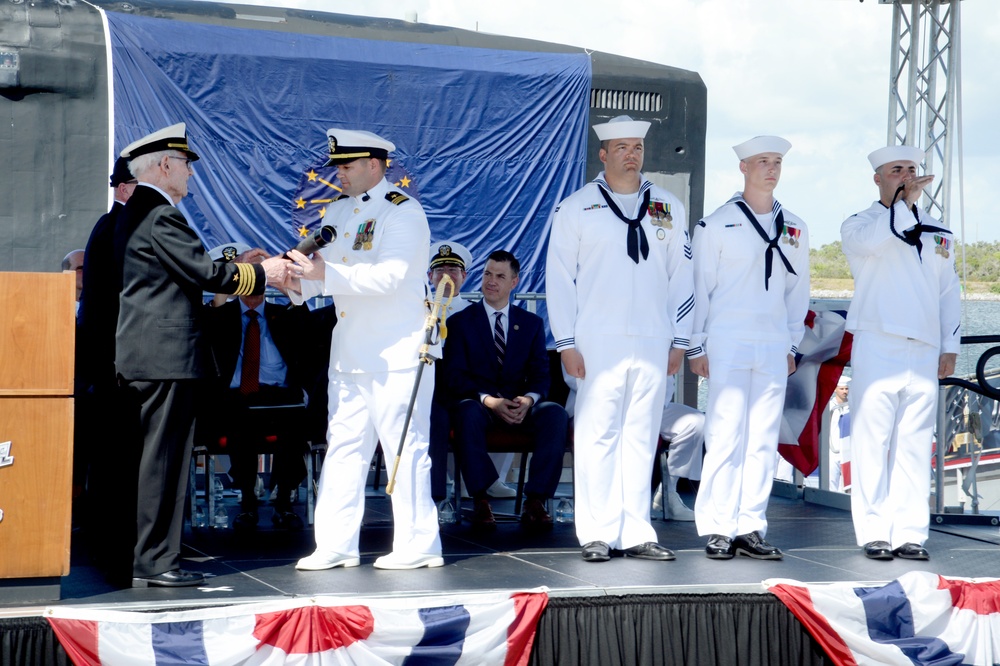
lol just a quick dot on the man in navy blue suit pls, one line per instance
(499, 374)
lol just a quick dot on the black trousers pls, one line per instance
(546, 422)
(166, 420)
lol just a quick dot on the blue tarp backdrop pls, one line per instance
(488, 141)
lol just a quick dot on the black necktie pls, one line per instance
(636, 239)
(250, 370)
(772, 243)
(499, 340)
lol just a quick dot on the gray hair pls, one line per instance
(143, 163)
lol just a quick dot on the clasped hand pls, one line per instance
(511, 411)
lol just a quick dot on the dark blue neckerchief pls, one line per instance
(912, 235)
(772, 243)
(636, 236)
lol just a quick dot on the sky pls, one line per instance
(813, 71)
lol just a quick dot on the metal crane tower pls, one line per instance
(925, 90)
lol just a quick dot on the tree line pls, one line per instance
(982, 260)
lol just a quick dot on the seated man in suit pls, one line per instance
(258, 350)
(498, 373)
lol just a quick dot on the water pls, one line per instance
(564, 511)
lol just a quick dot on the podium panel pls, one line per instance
(35, 486)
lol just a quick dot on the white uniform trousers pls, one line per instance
(616, 421)
(684, 428)
(366, 408)
(894, 394)
(746, 396)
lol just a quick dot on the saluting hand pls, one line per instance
(914, 188)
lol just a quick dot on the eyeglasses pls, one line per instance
(187, 160)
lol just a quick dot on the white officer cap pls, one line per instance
(761, 144)
(228, 251)
(896, 154)
(349, 145)
(168, 138)
(450, 253)
(622, 127)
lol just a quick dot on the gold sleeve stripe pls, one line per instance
(245, 279)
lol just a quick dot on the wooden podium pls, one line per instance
(37, 341)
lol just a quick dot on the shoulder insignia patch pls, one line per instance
(396, 198)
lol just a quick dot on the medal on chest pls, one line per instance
(790, 236)
(659, 216)
(941, 245)
(363, 239)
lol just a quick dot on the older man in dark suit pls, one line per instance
(499, 373)
(159, 352)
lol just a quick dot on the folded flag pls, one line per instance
(918, 619)
(489, 628)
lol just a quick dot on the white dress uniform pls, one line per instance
(747, 332)
(376, 273)
(684, 428)
(623, 317)
(905, 313)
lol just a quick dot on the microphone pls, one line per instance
(323, 236)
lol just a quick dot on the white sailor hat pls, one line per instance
(896, 154)
(168, 138)
(349, 145)
(621, 127)
(450, 253)
(843, 381)
(228, 251)
(762, 144)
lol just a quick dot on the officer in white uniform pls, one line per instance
(375, 271)
(905, 318)
(751, 266)
(619, 297)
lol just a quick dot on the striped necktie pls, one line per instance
(499, 341)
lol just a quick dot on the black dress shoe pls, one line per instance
(650, 551)
(912, 551)
(286, 520)
(596, 551)
(753, 545)
(175, 578)
(719, 548)
(246, 520)
(877, 550)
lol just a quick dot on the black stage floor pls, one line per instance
(818, 543)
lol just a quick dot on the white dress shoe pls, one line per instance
(677, 510)
(403, 561)
(501, 490)
(319, 561)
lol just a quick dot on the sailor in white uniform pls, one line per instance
(905, 318)
(751, 265)
(375, 271)
(619, 297)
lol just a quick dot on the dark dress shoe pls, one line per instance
(534, 516)
(596, 551)
(912, 551)
(482, 516)
(286, 520)
(877, 550)
(650, 551)
(175, 578)
(247, 520)
(719, 548)
(753, 545)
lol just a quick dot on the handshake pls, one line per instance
(285, 271)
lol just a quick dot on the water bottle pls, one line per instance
(217, 488)
(198, 518)
(258, 488)
(221, 519)
(564, 511)
(446, 513)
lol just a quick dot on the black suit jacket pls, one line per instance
(98, 317)
(471, 365)
(165, 270)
